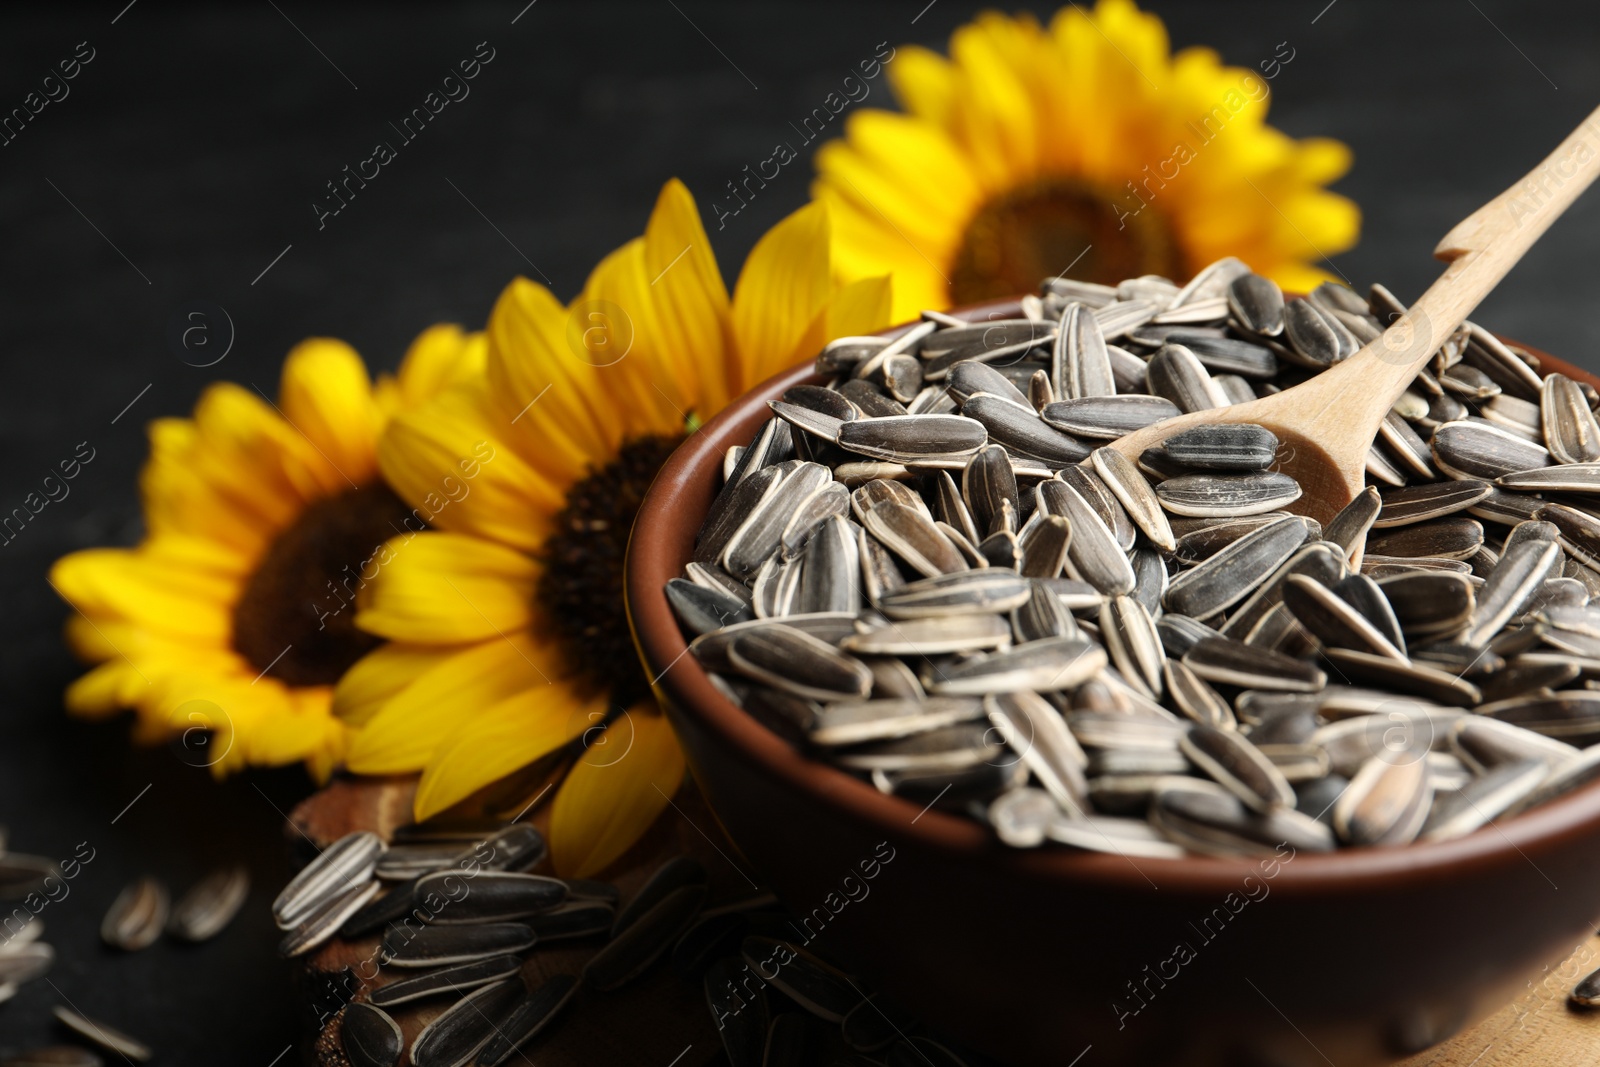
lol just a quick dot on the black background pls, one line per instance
(196, 141)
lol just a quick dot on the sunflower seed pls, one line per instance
(529, 1016)
(971, 378)
(1093, 555)
(1228, 662)
(1569, 428)
(796, 662)
(369, 1037)
(1094, 493)
(702, 610)
(1430, 604)
(880, 720)
(321, 925)
(23, 961)
(1483, 799)
(1036, 731)
(1194, 697)
(343, 865)
(1240, 447)
(1022, 432)
(1447, 538)
(1021, 816)
(1212, 281)
(106, 1037)
(492, 896)
(1256, 304)
(1387, 801)
(1134, 646)
(1586, 994)
(1107, 417)
(1042, 615)
(932, 636)
(845, 353)
(1521, 571)
(1227, 494)
(137, 917)
(909, 534)
(438, 946)
(644, 939)
(1238, 766)
(1235, 572)
(456, 1035)
(1053, 663)
(1176, 374)
(1333, 621)
(1312, 335)
(1418, 503)
(1117, 319)
(1133, 492)
(1080, 366)
(985, 591)
(1479, 450)
(1211, 820)
(455, 979)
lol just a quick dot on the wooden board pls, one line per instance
(1537, 1029)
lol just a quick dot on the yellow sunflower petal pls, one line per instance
(691, 298)
(500, 739)
(614, 793)
(533, 362)
(448, 697)
(626, 338)
(381, 675)
(161, 594)
(447, 462)
(785, 282)
(447, 588)
(441, 356)
(327, 396)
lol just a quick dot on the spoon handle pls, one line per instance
(1480, 250)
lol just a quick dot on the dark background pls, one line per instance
(187, 157)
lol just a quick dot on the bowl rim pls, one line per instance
(684, 685)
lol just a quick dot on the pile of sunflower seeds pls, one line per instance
(455, 911)
(933, 573)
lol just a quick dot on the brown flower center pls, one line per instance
(579, 596)
(1088, 231)
(296, 618)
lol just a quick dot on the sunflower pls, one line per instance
(1082, 149)
(234, 616)
(509, 645)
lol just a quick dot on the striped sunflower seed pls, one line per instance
(103, 1035)
(137, 917)
(1223, 447)
(456, 1035)
(345, 864)
(1105, 418)
(1228, 494)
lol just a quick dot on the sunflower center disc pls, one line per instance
(1042, 229)
(296, 618)
(579, 595)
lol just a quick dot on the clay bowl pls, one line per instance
(1035, 957)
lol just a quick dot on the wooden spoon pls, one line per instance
(1326, 425)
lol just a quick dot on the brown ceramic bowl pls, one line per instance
(1038, 957)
